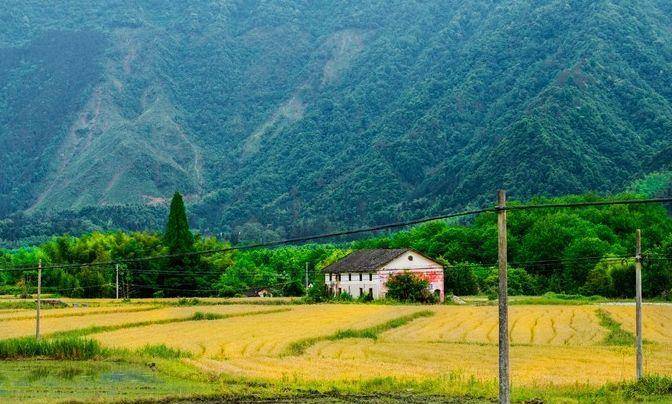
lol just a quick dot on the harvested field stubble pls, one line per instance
(12, 328)
(551, 345)
(535, 325)
(657, 321)
(263, 335)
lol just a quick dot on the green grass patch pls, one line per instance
(60, 349)
(617, 335)
(299, 347)
(51, 381)
(17, 304)
(78, 349)
(200, 316)
(649, 386)
(551, 298)
(163, 351)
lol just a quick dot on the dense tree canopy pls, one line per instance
(579, 250)
(296, 117)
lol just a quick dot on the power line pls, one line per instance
(54, 289)
(354, 231)
(586, 204)
(267, 244)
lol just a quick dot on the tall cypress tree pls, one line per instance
(179, 240)
(178, 237)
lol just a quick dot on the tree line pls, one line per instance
(576, 251)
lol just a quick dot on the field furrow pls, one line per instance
(537, 325)
(263, 335)
(657, 326)
(365, 359)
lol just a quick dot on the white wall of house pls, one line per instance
(350, 282)
(375, 281)
(417, 264)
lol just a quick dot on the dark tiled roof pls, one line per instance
(365, 260)
(255, 292)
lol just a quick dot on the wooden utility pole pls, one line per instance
(504, 369)
(117, 269)
(638, 305)
(39, 299)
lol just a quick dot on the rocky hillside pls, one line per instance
(292, 117)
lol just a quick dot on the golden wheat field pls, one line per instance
(657, 325)
(538, 325)
(59, 320)
(558, 345)
(22, 314)
(253, 336)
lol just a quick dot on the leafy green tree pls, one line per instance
(599, 281)
(408, 287)
(459, 279)
(580, 257)
(623, 278)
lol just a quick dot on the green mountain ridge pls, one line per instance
(291, 118)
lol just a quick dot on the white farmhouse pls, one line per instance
(367, 271)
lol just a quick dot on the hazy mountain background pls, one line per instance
(280, 118)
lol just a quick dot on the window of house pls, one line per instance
(330, 277)
(349, 277)
(360, 277)
(339, 291)
(361, 291)
(338, 277)
(370, 277)
(371, 292)
(410, 258)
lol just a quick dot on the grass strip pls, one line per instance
(617, 335)
(557, 299)
(299, 347)
(161, 351)
(59, 349)
(77, 348)
(197, 316)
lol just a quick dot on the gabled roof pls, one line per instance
(365, 260)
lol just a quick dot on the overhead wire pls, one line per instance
(347, 232)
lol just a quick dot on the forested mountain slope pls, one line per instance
(282, 118)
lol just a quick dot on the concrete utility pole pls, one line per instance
(638, 305)
(39, 297)
(504, 384)
(117, 269)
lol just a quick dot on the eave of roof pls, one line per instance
(365, 260)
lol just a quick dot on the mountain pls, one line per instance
(286, 118)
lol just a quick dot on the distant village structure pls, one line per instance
(367, 271)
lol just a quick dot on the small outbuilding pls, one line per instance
(259, 292)
(367, 271)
